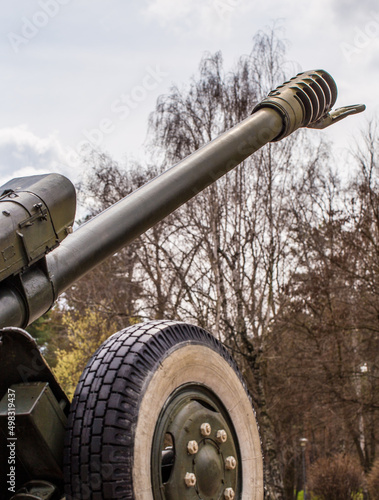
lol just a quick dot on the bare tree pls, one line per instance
(328, 325)
(237, 226)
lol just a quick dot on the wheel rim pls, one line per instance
(195, 451)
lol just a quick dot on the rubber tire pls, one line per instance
(118, 400)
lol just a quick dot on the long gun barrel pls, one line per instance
(32, 287)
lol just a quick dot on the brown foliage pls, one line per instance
(336, 478)
(373, 481)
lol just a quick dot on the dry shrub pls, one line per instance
(336, 478)
(373, 481)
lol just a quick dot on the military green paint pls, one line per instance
(181, 417)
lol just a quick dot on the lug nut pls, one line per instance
(205, 429)
(229, 494)
(221, 436)
(230, 463)
(190, 480)
(192, 447)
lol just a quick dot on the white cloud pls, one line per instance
(24, 153)
(199, 18)
(170, 10)
(68, 76)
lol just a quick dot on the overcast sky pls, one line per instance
(75, 70)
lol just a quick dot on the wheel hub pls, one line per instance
(209, 469)
(196, 430)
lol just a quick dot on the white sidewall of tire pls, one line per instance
(198, 364)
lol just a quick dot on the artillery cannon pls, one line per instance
(161, 410)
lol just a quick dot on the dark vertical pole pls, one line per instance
(303, 444)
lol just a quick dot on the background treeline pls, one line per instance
(279, 260)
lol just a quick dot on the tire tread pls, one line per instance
(98, 454)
